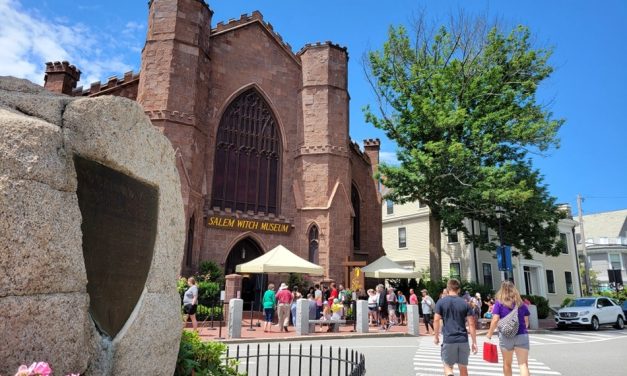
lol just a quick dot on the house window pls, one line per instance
(452, 236)
(314, 234)
(569, 282)
(483, 232)
(487, 275)
(550, 281)
(564, 240)
(455, 270)
(402, 237)
(390, 206)
(615, 262)
(246, 173)
(356, 219)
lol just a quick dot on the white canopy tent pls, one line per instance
(384, 267)
(280, 260)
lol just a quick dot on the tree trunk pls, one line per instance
(435, 248)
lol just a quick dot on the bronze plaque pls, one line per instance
(119, 228)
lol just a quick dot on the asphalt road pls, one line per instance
(572, 353)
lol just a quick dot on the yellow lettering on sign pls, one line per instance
(247, 224)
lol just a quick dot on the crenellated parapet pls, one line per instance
(61, 77)
(247, 19)
(323, 44)
(114, 85)
(372, 142)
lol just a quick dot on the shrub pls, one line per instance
(203, 312)
(296, 279)
(208, 290)
(566, 302)
(621, 296)
(203, 358)
(211, 272)
(541, 302)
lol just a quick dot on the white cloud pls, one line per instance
(28, 41)
(389, 157)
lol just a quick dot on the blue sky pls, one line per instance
(104, 38)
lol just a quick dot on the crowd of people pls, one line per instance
(454, 316)
(325, 303)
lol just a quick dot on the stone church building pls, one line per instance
(261, 135)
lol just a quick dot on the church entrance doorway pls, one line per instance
(252, 284)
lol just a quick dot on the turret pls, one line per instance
(371, 148)
(61, 77)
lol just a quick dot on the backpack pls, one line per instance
(508, 325)
(431, 304)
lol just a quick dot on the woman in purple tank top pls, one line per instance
(507, 299)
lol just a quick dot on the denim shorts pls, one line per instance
(520, 341)
(269, 313)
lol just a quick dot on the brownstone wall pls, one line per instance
(245, 56)
(173, 88)
(189, 75)
(370, 219)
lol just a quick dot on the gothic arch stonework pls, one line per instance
(248, 156)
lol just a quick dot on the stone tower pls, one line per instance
(61, 77)
(174, 89)
(323, 159)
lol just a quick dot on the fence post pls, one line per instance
(302, 317)
(533, 316)
(235, 318)
(361, 317)
(413, 320)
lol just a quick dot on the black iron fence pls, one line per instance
(258, 360)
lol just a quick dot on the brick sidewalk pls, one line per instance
(258, 334)
(321, 333)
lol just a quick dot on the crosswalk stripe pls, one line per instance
(427, 361)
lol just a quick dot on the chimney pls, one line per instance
(371, 148)
(61, 77)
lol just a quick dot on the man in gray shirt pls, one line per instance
(454, 311)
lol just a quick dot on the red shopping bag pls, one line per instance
(490, 353)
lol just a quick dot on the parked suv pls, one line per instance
(592, 312)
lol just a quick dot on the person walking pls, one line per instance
(392, 303)
(455, 312)
(372, 307)
(269, 305)
(508, 299)
(382, 307)
(402, 308)
(190, 302)
(427, 305)
(284, 299)
(295, 296)
(333, 293)
(413, 299)
(318, 297)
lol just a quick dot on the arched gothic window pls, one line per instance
(313, 244)
(356, 225)
(189, 246)
(246, 173)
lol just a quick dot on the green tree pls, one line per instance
(460, 103)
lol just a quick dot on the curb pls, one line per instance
(310, 338)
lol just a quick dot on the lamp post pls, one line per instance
(499, 212)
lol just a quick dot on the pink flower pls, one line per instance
(40, 369)
(22, 371)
